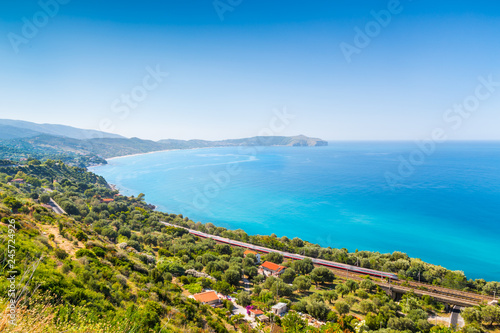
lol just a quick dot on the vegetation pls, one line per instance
(110, 265)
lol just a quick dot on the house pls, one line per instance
(254, 313)
(252, 252)
(107, 200)
(18, 181)
(207, 297)
(271, 269)
(279, 309)
(263, 319)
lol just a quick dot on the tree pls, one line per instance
(297, 242)
(417, 314)
(471, 315)
(342, 289)
(110, 233)
(492, 288)
(491, 314)
(352, 285)
(279, 288)
(367, 306)
(251, 271)
(304, 266)
(222, 287)
(232, 277)
(12, 203)
(302, 283)
(342, 308)
(330, 296)
(70, 208)
(223, 248)
(293, 323)
(288, 275)
(275, 257)
(44, 198)
(321, 275)
(244, 299)
(368, 285)
(318, 310)
(401, 324)
(125, 232)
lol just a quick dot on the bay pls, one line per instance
(445, 208)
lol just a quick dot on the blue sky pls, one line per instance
(227, 77)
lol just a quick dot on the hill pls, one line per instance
(110, 265)
(20, 139)
(14, 129)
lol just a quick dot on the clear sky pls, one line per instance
(231, 64)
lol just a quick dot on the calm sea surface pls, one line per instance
(446, 210)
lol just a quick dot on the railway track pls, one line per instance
(358, 273)
(430, 290)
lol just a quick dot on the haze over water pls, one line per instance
(447, 212)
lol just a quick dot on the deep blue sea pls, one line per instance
(443, 207)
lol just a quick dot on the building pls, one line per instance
(254, 313)
(107, 200)
(252, 252)
(207, 297)
(271, 269)
(18, 181)
(263, 319)
(279, 309)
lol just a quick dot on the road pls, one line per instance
(55, 207)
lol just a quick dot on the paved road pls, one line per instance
(56, 208)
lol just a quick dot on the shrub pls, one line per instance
(61, 254)
(85, 253)
(81, 236)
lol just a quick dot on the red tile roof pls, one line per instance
(273, 267)
(206, 297)
(257, 312)
(250, 252)
(107, 200)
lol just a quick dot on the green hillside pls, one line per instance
(109, 265)
(93, 151)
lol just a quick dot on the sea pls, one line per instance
(437, 202)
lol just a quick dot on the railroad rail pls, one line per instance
(388, 281)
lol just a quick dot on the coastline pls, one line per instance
(139, 154)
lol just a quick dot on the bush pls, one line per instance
(99, 251)
(61, 254)
(81, 236)
(85, 253)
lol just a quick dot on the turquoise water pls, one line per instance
(446, 211)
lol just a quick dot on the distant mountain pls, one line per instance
(14, 129)
(19, 139)
(299, 140)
